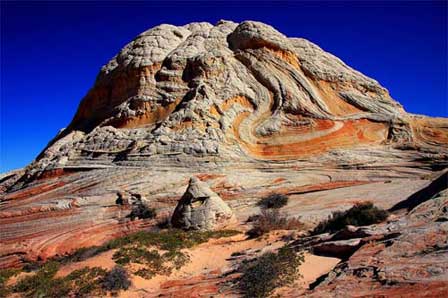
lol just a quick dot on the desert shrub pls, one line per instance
(142, 211)
(41, 283)
(130, 249)
(270, 220)
(31, 266)
(116, 279)
(169, 241)
(273, 201)
(86, 281)
(154, 262)
(81, 254)
(135, 254)
(145, 273)
(5, 275)
(361, 214)
(271, 270)
(177, 258)
(174, 239)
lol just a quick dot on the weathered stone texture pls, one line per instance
(200, 208)
(250, 112)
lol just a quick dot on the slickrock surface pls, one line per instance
(251, 112)
(404, 258)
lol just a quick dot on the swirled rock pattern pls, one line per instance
(241, 106)
(231, 91)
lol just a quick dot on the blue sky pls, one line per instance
(51, 52)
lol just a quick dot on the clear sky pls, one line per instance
(51, 52)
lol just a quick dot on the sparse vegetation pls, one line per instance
(81, 283)
(169, 242)
(270, 220)
(5, 275)
(142, 211)
(361, 214)
(81, 254)
(270, 271)
(86, 281)
(41, 283)
(273, 201)
(166, 254)
(116, 279)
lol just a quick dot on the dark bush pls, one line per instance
(361, 214)
(270, 220)
(80, 254)
(273, 201)
(116, 279)
(270, 271)
(142, 211)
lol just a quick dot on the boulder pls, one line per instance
(200, 208)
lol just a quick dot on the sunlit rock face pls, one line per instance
(201, 209)
(232, 91)
(240, 106)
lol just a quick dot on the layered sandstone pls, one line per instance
(240, 106)
(230, 92)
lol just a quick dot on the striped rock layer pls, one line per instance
(240, 106)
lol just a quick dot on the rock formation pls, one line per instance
(230, 92)
(200, 208)
(245, 109)
(406, 257)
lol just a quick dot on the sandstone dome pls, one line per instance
(250, 112)
(231, 91)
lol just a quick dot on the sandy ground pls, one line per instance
(211, 258)
(103, 260)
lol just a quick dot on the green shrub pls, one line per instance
(177, 258)
(130, 249)
(86, 281)
(41, 283)
(81, 254)
(270, 220)
(154, 262)
(134, 249)
(170, 239)
(361, 214)
(116, 279)
(79, 283)
(5, 275)
(145, 273)
(270, 271)
(273, 201)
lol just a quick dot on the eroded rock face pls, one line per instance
(233, 92)
(405, 257)
(201, 209)
(245, 108)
